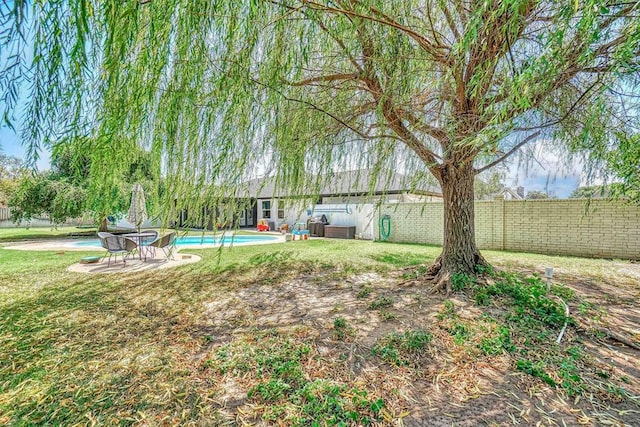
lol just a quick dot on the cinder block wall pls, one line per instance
(598, 228)
(412, 222)
(571, 227)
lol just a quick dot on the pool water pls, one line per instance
(226, 240)
(199, 240)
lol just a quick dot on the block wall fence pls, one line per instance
(596, 228)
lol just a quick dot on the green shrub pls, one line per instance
(288, 393)
(448, 311)
(535, 370)
(340, 328)
(492, 346)
(381, 302)
(462, 281)
(364, 292)
(271, 391)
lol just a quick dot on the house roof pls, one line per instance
(511, 193)
(346, 183)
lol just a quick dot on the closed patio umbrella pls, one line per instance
(138, 209)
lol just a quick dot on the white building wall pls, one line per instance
(293, 211)
(362, 216)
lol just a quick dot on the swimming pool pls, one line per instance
(200, 241)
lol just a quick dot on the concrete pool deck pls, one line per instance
(52, 245)
(133, 264)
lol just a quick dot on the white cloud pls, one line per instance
(541, 166)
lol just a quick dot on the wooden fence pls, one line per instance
(5, 221)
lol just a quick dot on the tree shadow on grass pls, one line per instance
(407, 259)
(118, 347)
(102, 348)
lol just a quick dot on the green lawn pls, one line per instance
(35, 233)
(329, 330)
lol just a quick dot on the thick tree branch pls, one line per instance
(510, 152)
(450, 21)
(438, 134)
(422, 41)
(384, 102)
(463, 12)
(327, 78)
(432, 27)
(492, 45)
(342, 46)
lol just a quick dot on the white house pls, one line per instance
(265, 200)
(342, 188)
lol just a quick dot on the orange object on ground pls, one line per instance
(263, 225)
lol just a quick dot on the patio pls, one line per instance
(134, 264)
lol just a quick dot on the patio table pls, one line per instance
(141, 239)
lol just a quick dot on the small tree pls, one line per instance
(593, 192)
(68, 190)
(227, 89)
(487, 186)
(11, 171)
(622, 177)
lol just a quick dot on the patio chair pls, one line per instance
(116, 245)
(167, 243)
(150, 236)
(153, 235)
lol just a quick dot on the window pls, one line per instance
(266, 209)
(280, 206)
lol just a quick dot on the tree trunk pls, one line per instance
(103, 224)
(459, 253)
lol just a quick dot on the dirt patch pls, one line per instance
(447, 383)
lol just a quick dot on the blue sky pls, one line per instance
(10, 145)
(553, 181)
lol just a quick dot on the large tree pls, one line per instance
(538, 195)
(68, 190)
(110, 194)
(488, 185)
(42, 194)
(222, 89)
